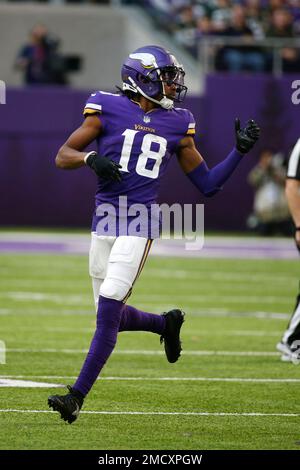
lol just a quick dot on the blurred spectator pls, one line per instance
(273, 5)
(185, 28)
(270, 212)
(235, 58)
(204, 25)
(256, 15)
(294, 6)
(220, 15)
(40, 60)
(185, 17)
(192, 20)
(282, 27)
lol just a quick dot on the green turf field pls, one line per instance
(233, 323)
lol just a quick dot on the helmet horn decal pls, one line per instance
(147, 60)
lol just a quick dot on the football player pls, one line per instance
(137, 131)
(290, 342)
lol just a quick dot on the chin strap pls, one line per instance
(165, 102)
(126, 86)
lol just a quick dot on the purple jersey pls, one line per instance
(142, 143)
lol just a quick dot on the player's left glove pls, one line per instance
(246, 138)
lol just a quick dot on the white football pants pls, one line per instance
(115, 263)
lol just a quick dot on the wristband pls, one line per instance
(88, 154)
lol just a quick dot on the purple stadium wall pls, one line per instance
(36, 121)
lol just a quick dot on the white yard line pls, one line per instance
(146, 352)
(38, 296)
(16, 383)
(46, 312)
(158, 308)
(86, 299)
(162, 379)
(226, 277)
(192, 274)
(42, 296)
(58, 329)
(161, 413)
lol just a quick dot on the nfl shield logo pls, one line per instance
(146, 119)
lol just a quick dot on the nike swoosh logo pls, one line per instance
(76, 412)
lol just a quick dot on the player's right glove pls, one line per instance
(246, 138)
(103, 167)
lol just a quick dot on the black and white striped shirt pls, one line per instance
(294, 162)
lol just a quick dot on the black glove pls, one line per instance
(246, 138)
(104, 167)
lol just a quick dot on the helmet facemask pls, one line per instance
(152, 83)
(170, 75)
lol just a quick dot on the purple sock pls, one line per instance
(136, 320)
(104, 340)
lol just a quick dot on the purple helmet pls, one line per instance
(147, 70)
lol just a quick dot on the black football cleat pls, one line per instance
(290, 352)
(171, 334)
(68, 405)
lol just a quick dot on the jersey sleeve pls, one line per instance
(191, 124)
(93, 105)
(294, 163)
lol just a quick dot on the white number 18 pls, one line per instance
(147, 153)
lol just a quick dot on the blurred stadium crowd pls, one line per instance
(189, 21)
(242, 35)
